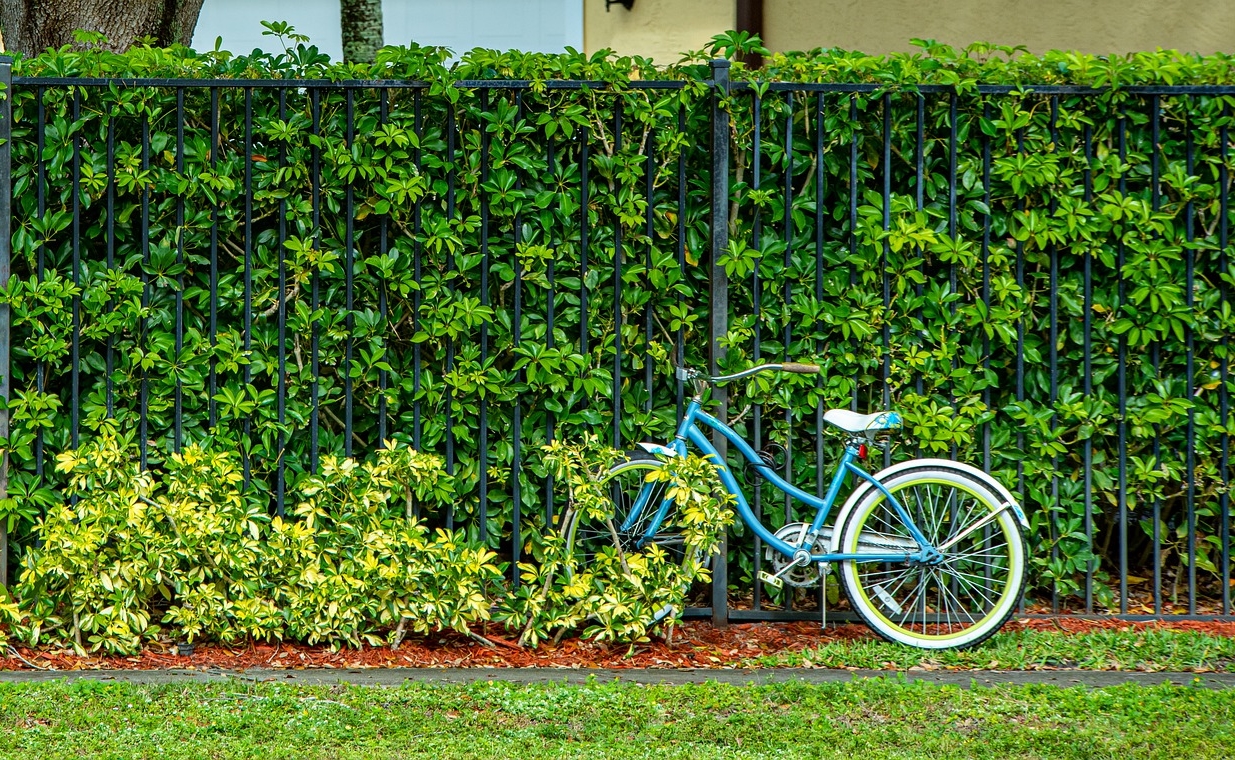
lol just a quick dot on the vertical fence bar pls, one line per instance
(853, 209)
(1087, 353)
(482, 470)
(584, 221)
(417, 263)
(144, 245)
(817, 344)
(680, 338)
(550, 305)
(986, 303)
(953, 296)
(109, 360)
(1020, 340)
(757, 297)
(348, 277)
(6, 237)
(216, 147)
(383, 240)
(920, 193)
(1224, 498)
(617, 292)
(75, 360)
(280, 477)
(40, 370)
(248, 273)
(719, 305)
(516, 455)
(315, 280)
(649, 173)
(953, 135)
(884, 261)
(450, 270)
(1155, 202)
(1189, 371)
(349, 274)
(178, 421)
(1053, 333)
(820, 186)
(1122, 383)
(986, 283)
(787, 298)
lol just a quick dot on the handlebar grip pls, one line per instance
(801, 369)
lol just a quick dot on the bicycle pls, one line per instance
(931, 552)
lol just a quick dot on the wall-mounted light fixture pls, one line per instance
(627, 4)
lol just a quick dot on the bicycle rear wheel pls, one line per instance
(630, 492)
(958, 602)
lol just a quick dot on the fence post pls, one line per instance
(6, 213)
(719, 307)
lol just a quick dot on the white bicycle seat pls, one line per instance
(852, 422)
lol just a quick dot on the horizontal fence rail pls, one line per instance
(307, 269)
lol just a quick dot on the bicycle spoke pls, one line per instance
(901, 582)
(961, 607)
(960, 571)
(988, 602)
(974, 549)
(911, 603)
(897, 569)
(977, 562)
(941, 514)
(962, 522)
(899, 579)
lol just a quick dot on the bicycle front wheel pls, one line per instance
(957, 602)
(636, 503)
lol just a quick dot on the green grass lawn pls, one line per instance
(880, 718)
(1145, 649)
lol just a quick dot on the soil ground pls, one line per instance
(694, 645)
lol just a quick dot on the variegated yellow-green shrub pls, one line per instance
(186, 552)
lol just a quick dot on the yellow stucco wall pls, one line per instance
(663, 29)
(659, 29)
(1091, 26)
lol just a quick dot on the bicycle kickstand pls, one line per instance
(823, 597)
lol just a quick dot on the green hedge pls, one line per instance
(1051, 212)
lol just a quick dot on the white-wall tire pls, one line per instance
(957, 603)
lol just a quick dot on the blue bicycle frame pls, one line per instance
(689, 431)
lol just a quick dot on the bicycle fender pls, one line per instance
(657, 449)
(865, 487)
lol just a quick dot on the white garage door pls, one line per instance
(536, 25)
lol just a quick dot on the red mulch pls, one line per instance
(694, 645)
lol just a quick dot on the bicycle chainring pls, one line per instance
(803, 576)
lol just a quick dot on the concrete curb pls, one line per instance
(399, 676)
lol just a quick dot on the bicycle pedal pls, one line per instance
(771, 580)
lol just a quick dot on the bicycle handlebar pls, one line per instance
(794, 367)
(801, 369)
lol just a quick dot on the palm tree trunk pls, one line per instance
(361, 22)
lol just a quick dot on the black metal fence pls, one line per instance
(312, 309)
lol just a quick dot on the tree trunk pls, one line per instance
(361, 22)
(32, 26)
